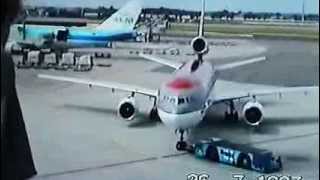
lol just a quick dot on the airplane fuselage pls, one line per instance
(77, 36)
(183, 100)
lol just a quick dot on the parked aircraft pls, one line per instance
(119, 27)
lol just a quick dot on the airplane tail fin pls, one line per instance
(126, 17)
(199, 43)
(201, 23)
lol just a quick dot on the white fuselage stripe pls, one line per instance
(181, 121)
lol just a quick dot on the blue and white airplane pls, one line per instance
(119, 27)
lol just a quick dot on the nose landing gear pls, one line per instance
(181, 144)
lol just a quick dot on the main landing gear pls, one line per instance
(232, 114)
(153, 115)
(181, 144)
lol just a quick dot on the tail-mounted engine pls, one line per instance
(200, 45)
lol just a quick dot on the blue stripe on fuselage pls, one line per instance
(82, 35)
(97, 41)
(105, 38)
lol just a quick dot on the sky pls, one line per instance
(283, 6)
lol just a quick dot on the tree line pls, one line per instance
(171, 14)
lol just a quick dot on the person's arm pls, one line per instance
(7, 75)
(3, 112)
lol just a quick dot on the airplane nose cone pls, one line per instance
(182, 84)
(181, 121)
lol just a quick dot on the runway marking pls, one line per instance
(161, 157)
(95, 168)
(174, 155)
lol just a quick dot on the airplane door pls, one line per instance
(62, 35)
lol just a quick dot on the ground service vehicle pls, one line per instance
(243, 156)
(84, 63)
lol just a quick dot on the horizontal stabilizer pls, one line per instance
(241, 63)
(170, 63)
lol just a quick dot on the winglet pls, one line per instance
(170, 63)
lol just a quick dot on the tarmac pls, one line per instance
(75, 133)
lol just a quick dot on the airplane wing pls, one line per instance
(170, 63)
(104, 84)
(241, 63)
(223, 97)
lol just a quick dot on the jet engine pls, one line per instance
(253, 113)
(127, 108)
(200, 45)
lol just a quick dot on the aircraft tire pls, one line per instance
(227, 116)
(181, 146)
(235, 116)
(212, 153)
(244, 161)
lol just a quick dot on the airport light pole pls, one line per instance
(303, 11)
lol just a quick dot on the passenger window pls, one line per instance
(181, 101)
(173, 100)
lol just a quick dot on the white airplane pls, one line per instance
(182, 102)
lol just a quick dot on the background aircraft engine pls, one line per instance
(253, 113)
(127, 108)
(199, 45)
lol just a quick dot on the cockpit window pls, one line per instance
(188, 99)
(181, 101)
(176, 100)
(165, 98)
(173, 100)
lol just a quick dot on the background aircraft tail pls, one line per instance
(125, 18)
